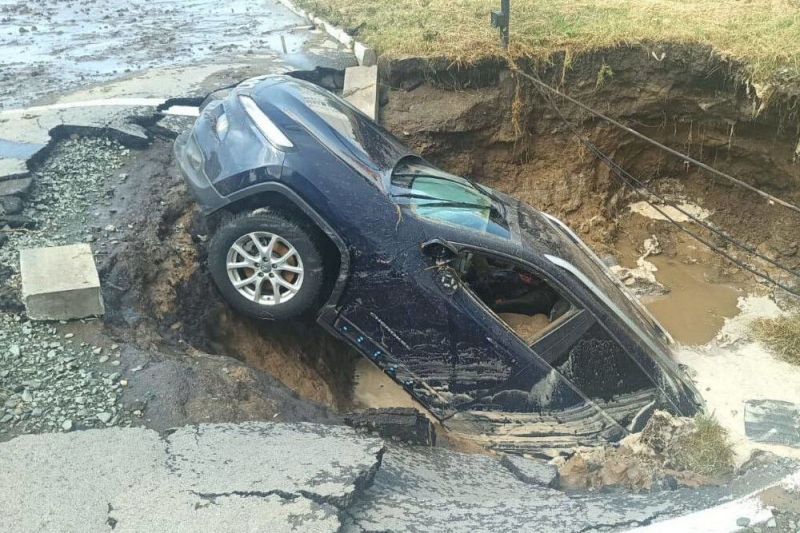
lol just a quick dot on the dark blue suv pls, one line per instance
(494, 316)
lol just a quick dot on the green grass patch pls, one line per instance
(706, 450)
(765, 35)
(781, 335)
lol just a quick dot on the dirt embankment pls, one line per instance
(161, 299)
(487, 123)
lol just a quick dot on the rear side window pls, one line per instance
(437, 195)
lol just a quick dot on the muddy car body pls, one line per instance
(428, 275)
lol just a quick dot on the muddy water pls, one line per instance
(375, 389)
(694, 310)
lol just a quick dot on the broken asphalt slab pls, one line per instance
(432, 489)
(224, 477)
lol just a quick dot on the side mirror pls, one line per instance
(439, 250)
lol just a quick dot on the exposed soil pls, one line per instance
(504, 135)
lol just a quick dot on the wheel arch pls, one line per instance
(281, 198)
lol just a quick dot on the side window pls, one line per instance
(526, 302)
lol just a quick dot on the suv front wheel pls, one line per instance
(266, 265)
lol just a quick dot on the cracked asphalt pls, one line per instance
(245, 477)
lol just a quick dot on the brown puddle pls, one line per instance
(694, 310)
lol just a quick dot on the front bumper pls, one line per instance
(191, 167)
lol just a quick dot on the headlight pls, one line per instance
(264, 124)
(221, 126)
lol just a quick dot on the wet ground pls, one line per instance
(52, 47)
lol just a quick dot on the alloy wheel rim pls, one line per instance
(265, 268)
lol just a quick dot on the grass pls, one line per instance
(706, 450)
(782, 335)
(763, 34)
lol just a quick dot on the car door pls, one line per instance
(565, 379)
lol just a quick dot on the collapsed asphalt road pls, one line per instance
(302, 477)
(415, 489)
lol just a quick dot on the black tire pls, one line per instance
(303, 239)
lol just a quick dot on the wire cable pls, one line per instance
(664, 147)
(626, 178)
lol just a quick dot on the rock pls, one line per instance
(772, 523)
(743, 521)
(67, 425)
(16, 187)
(14, 350)
(131, 135)
(399, 423)
(366, 56)
(104, 417)
(531, 471)
(17, 221)
(103, 359)
(10, 205)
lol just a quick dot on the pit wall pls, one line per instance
(485, 122)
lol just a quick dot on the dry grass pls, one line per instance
(781, 335)
(706, 450)
(764, 34)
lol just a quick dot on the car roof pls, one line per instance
(358, 140)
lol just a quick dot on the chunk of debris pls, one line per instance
(772, 421)
(642, 280)
(670, 452)
(531, 471)
(60, 283)
(399, 423)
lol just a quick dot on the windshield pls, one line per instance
(437, 195)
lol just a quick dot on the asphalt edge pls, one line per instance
(365, 55)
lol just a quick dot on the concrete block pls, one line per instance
(361, 89)
(365, 55)
(60, 283)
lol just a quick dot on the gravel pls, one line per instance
(72, 180)
(48, 381)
